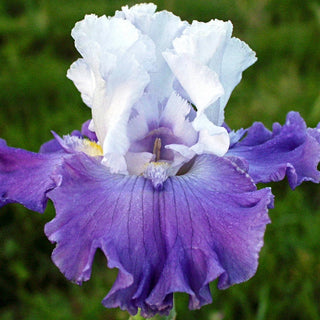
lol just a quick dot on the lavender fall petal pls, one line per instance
(26, 177)
(290, 150)
(206, 224)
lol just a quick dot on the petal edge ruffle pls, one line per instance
(203, 225)
(26, 177)
(291, 150)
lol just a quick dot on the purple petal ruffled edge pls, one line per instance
(204, 225)
(291, 150)
(26, 177)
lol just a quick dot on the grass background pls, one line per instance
(35, 97)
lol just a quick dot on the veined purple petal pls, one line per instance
(26, 177)
(291, 150)
(206, 224)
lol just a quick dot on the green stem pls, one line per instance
(172, 316)
(136, 317)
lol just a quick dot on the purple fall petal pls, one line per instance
(206, 224)
(315, 132)
(51, 146)
(25, 177)
(292, 150)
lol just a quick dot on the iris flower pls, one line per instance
(155, 179)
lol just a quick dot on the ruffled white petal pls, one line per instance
(83, 78)
(118, 58)
(189, 60)
(139, 15)
(141, 70)
(113, 106)
(200, 82)
(203, 41)
(94, 36)
(211, 50)
(237, 57)
(162, 28)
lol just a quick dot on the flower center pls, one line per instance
(158, 170)
(155, 141)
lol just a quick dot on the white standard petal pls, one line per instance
(162, 28)
(83, 78)
(119, 58)
(112, 107)
(140, 14)
(209, 45)
(201, 83)
(237, 57)
(94, 36)
(204, 40)
(189, 60)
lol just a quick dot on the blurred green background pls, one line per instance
(35, 97)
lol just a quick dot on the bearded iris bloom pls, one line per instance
(155, 179)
